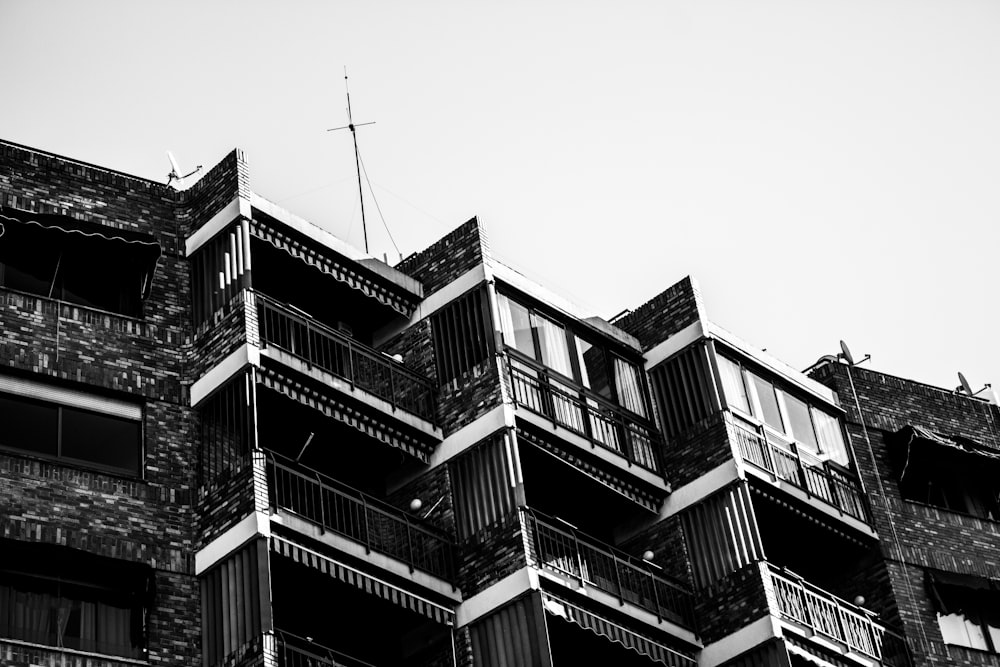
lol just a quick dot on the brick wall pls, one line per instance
(676, 307)
(462, 402)
(448, 258)
(149, 520)
(731, 603)
(914, 536)
(434, 490)
(699, 449)
(215, 190)
(417, 347)
(495, 552)
(666, 540)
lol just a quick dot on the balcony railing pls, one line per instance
(295, 651)
(568, 552)
(817, 478)
(602, 423)
(329, 350)
(340, 509)
(827, 615)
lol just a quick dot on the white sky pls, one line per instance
(826, 170)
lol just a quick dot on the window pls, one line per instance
(84, 263)
(588, 365)
(109, 439)
(968, 610)
(947, 472)
(787, 416)
(62, 597)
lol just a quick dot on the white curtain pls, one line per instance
(629, 387)
(552, 340)
(831, 439)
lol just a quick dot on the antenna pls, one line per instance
(845, 354)
(175, 172)
(357, 158)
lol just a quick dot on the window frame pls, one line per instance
(785, 437)
(62, 459)
(572, 335)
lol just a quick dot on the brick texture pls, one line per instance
(670, 311)
(914, 536)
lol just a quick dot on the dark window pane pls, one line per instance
(101, 439)
(593, 368)
(28, 425)
(770, 414)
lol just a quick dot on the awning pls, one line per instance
(338, 270)
(143, 249)
(647, 498)
(950, 592)
(646, 646)
(945, 450)
(328, 404)
(815, 655)
(362, 581)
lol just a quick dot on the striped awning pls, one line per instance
(339, 270)
(103, 242)
(646, 646)
(647, 498)
(814, 654)
(327, 404)
(362, 581)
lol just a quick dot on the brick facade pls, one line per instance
(916, 537)
(147, 520)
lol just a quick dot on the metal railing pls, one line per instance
(827, 615)
(818, 478)
(568, 552)
(340, 509)
(327, 349)
(586, 414)
(295, 651)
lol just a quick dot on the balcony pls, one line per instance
(347, 512)
(362, 367)
(826, 615)
(818, 479)
(576, 409)
(566, 552)
(295, 651)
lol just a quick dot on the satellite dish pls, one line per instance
(846, 353)
(964, 385)
(175, 172)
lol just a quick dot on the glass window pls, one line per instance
(732, 385)
(515, 323)
(66, 432)
(86, 618)
(28, 425)
(552, 343)
(768, 401)
(800, 423)
(831, 437)
(593, 368)
(628, 384)
(100, 439)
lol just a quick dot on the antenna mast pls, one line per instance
(357, 159)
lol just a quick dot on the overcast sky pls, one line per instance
(826, 170)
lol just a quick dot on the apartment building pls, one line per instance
(229, 438)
